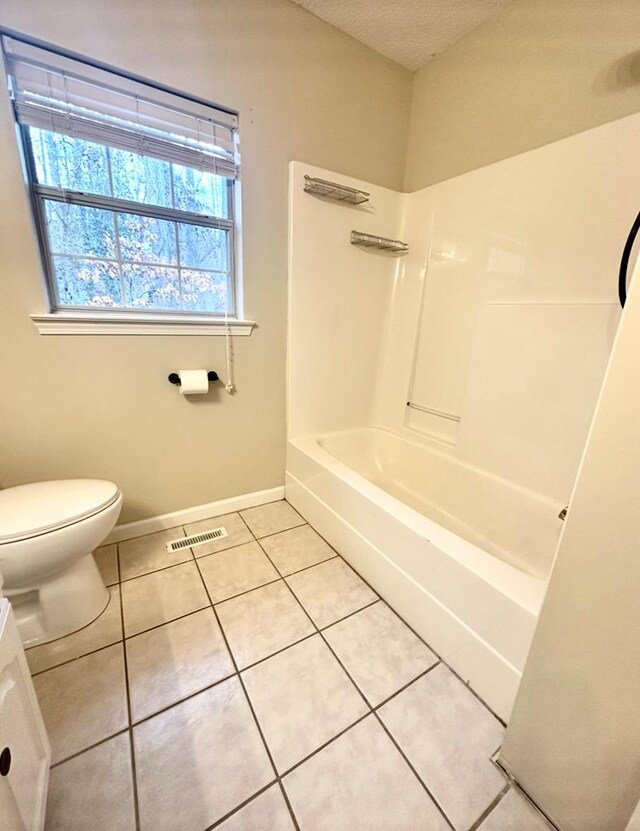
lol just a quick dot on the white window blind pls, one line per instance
(57, 93)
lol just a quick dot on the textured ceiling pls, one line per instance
(409, 32)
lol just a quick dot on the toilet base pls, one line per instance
(61, 604)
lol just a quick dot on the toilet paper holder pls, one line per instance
(174, 378)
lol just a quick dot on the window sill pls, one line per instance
(86, 323)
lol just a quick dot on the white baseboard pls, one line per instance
(210, 509)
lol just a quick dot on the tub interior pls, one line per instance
(517, 525)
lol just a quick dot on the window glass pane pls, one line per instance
(151, 287)
(87, 282)
(203, 247)
(199, 192)
(204, 292)
(147, 240)
(74, 229)
(141, 178)
(109, 258)
(66, 162)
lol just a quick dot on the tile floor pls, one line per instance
(256, 683)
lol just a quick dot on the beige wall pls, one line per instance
(101, 406)
(573, 741)
(538, 71)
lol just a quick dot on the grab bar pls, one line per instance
(432, 411)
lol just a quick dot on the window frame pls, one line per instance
(39, 193)
(64, 320)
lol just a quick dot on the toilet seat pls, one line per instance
(28, 511)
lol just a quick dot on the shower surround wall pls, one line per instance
(501, 315)
(338, 304)
(519, 306)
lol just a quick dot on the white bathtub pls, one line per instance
(459, 553)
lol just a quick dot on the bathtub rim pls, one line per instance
(524, 589)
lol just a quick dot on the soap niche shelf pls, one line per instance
(381, 243)
(331, 190)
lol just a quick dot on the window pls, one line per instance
(132, 188)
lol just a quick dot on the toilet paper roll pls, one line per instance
(193, 381)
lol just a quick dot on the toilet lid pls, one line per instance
(28, 510)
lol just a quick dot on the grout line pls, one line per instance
(320, 629)
(542, 815)
(150, 534)
(246, 591)
(367, 704)
(351, 614)
(255, 718)
(224, 600)
(77, 658)
(156, 570)
(285, 580)
(406, 686)
(493, 804)
(184, 531)
(135, 723)
(196, 558)
(279, 578)
(242, 805)
(236, 545)
(474, 693)
(136, 805)
(279, 777)
(222, 550)
(91, 747)
(246, 694)
(371, 710)
(244, 521)
(324, 745)
(284, 530)
(285, 796)
(258, 726)
(193, 694)
(253, 588)
(420, 638)
(195, 612)
(415, 772)
(165, 623)
(306, 568)
(282, 580)
(277, 652)
(369, 707)
(134, 775)
(118, 562)
(394, 742)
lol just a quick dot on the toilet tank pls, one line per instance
(25, 753)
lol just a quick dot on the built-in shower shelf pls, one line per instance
(332, 190)
(381, 243)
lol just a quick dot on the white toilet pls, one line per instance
(48, 531)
